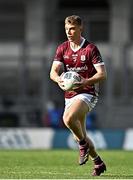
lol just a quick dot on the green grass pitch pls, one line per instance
(62, 164)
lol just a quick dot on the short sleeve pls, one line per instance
(96, 57)
(58, 55)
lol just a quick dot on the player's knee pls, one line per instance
(68, 119)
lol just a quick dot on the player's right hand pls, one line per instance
(60, 82)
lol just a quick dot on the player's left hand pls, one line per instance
(80, 85)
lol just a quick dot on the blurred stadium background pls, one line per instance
(30, 104)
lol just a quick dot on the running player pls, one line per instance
(77, 54)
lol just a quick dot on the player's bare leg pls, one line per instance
(71, 119)
(92, 151)
(99, 165)
(74, 118)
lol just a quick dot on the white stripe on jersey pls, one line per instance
(57, 62)
(98, 64)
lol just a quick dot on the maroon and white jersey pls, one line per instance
(83, 61)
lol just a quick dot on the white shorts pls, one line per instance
(89, 99)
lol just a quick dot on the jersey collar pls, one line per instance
(81, 44)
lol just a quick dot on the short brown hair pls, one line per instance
(74, 19)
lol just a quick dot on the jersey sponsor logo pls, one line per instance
(77, 69)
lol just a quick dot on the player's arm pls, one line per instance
(55, 69)
(54, 74)
(100, 68)
(99, 76)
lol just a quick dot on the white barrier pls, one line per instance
(48, 138)
(128, 140)
(16, 138)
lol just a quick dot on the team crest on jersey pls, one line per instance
(83, 58)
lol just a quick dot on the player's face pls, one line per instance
(73, 32)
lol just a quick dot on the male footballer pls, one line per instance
(80, 55)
